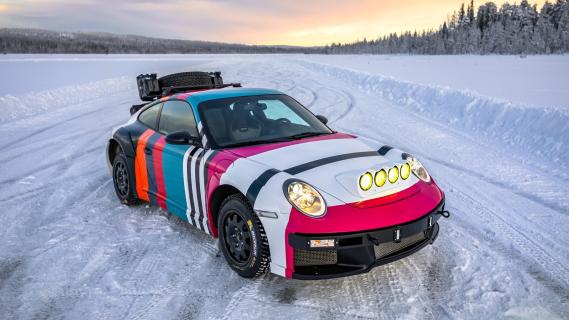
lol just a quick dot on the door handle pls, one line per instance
(148, 151)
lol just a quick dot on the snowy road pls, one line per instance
(68, 249)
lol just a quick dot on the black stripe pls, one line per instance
(190, 188)
(256, 186)
(384, 150)
(198, 189)
(404, 156)
(317, 163)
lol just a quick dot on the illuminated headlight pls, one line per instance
(306, 199)
(380, 178)
(393, 174)
(418, 169)
(366, 181)
(405, 171)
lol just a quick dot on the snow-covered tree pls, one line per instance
(509, 29)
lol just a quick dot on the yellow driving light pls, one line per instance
(306, 199)
(366, 181)
(405, 171)
(380, 178)
(393, 174)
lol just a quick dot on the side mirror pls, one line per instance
(183, 137)
(322, 119)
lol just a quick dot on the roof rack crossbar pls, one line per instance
(171, 90)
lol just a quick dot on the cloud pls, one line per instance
(312, 22)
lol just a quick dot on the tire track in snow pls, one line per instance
(522, 242)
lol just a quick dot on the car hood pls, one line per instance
(333, 164)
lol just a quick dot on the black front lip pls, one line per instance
(357, 249)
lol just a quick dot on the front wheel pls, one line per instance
(122, 180)
(242, 238)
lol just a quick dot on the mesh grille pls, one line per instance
(385, 249)
(314, 258)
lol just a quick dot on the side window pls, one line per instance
(177, 116)
(276, 110)
(150, 116)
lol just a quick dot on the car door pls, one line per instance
(143, 134)
(170, 162)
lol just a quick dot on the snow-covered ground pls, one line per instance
(497, 142)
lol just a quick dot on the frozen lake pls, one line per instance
(69, 249)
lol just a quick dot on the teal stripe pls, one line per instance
(172, 164)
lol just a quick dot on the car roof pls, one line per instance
(201, 96)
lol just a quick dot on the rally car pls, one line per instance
(280, 189)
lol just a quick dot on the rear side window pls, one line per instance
(150, 116)
(177, 116)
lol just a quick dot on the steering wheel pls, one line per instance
(276, 128)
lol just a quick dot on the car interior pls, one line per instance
(248, 120)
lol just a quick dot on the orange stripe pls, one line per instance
(140, 166)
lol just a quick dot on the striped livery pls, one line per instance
(184, 179)
(173, 177)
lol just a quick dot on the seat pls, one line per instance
(244, 125)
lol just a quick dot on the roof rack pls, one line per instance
(150, 87)
(171, 90)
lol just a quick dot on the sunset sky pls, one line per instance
(288, 22)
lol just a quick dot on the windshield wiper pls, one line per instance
(255, 142)
(306, 135)
(282, 139)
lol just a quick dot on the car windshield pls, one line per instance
(241, 121)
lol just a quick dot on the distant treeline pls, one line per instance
(510, 29)
(43, 41)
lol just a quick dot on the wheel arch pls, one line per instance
(113, 148)
(216, 199)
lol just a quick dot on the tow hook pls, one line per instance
(444, 213)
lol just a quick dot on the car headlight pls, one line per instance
(306, 199)
(418, 169)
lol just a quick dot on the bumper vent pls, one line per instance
(314, 258)
(386, 249)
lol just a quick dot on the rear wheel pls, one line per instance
(122, 180)
(242, 238)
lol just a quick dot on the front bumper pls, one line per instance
(359, 252)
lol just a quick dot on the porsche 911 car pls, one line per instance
(281, 190)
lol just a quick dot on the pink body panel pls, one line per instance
(396, 209)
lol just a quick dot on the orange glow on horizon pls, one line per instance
(267, 22)
(369, 20)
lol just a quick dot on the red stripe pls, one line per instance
(217, 167)
(159, 172)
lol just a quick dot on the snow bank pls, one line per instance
(20, 106)
(540, 130)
